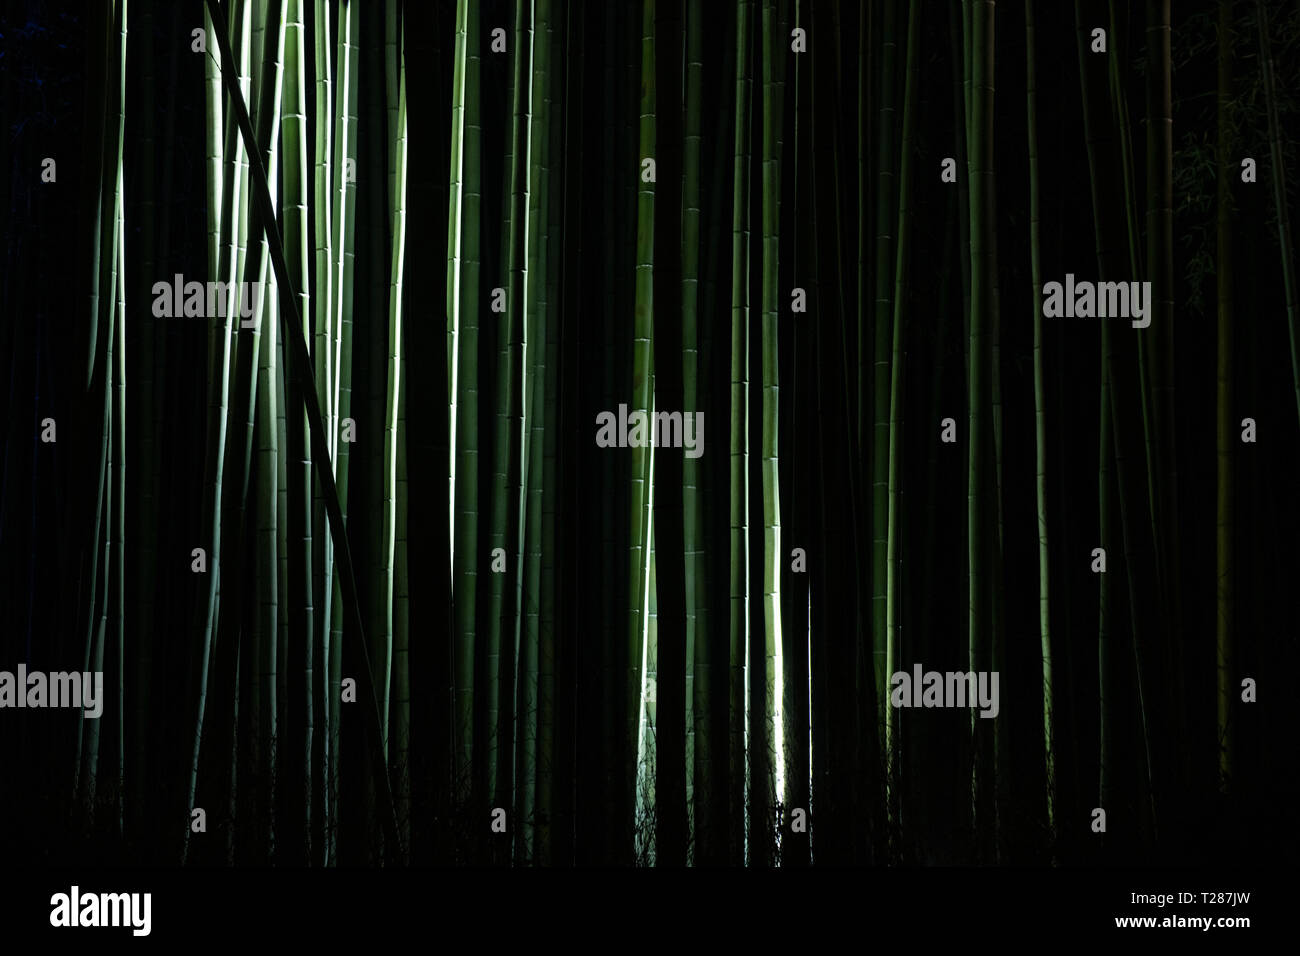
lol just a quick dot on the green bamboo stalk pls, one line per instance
(267, 618)
(958, 48)
(500, 726)
(528, 642)
(671, 699)
(463, 375)
(511, 437)
(280, 106)
(213, 127)
(886, 189)
(358, 660)
(466, 440)
(1105, 178)
(869, 50)
(117, 467)
(552, 192)
(1107, 690)
(100, 239)
(279, 651)
(343, 217)
(392, 62)
(223, 738)
(795, 629)
(324, 371)
(1164, 503)
(236, 235)
(1147, 351)
(374, 300)
(1040, 427)
(394, 478)
(647, 768)
(968, 33)
(251, 359)
(1119, 102)
(1001, 770)
(143, 623)
(219, 364)
(739, 448)
(1160, 267)
(642, 393)
(379, 391)
(698, 724)
(765, 754)
(523, 267)
(612, 372)
(322, 210)
(893, 586)
(1106, 167)
(982, 233)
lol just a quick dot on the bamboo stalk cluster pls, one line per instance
(410, 594)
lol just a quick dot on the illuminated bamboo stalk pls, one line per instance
(739, 447)
(642, 397)
(394, 477)
(1040, 426)
(343, 191)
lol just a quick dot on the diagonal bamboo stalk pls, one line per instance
(291, 324)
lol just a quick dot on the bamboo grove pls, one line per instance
(366, 588)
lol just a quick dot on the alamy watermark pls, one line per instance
(1102, 300)
(658, 429)
(75, 908)
(948, 689)
(25, 688)
(198, 300)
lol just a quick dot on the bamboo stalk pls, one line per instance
(672, 724)
(343, 218)
(893, 586)
(219, 342)
(698, 724)
(261, 194)
(642, 398)
(767, 767)
(324, 370)
(145, 452)
(982, 305)
(1040, 428)
(529, 608)
(462, 317)
(739, 449)
(394, 476)
(886, 190)
(547, 772)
